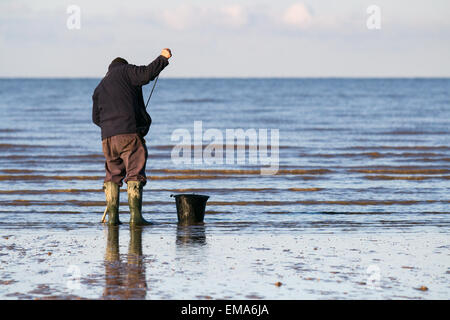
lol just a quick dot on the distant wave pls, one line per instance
(414, 132)
(199, 100)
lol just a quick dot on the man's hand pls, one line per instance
(166, 53)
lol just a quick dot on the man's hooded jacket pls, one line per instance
(118, 104)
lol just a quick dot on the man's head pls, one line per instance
(119, 60)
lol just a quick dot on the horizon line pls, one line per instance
(230, 77)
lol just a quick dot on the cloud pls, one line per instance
(235, 15)
(190, 16)
(181, 17)
(297, 15)
(293, 18)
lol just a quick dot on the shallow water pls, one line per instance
(363, 185)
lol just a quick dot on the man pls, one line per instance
(119, 110)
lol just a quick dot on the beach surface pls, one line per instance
(277, 259)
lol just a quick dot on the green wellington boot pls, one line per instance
(112, 191)
(135, 203)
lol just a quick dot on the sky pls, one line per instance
(218, 38)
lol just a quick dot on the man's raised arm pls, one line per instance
(141, 75)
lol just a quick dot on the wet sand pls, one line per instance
(222, 260)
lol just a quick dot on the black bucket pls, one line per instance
(190, 208)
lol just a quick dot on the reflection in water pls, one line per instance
(124, 280)
(191, 234)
